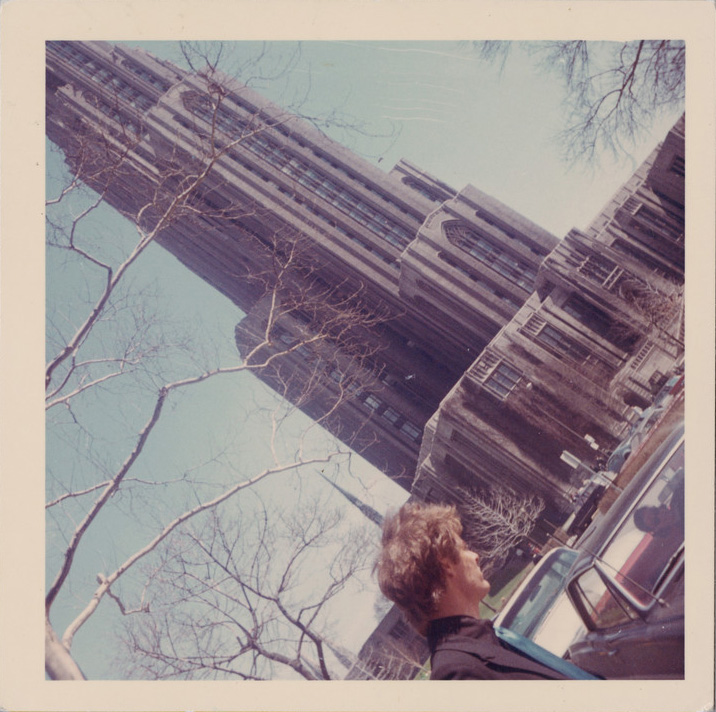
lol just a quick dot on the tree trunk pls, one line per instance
(59, 663)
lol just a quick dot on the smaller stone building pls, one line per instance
(600, 334)
(394, 651)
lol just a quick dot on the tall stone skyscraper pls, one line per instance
(487, 348)
(447, 269)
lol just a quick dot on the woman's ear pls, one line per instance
(449, 567)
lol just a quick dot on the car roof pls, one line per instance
(600, 533)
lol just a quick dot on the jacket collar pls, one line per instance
(478, 630)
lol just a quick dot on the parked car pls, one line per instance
(619, 455)
(674, 385)
(539, 609)
(627, 585)
(643, 424)
(637, 433)
(587, 503)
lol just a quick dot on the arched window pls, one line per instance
(492, 254)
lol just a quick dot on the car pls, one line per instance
(670, 389)
(627, 584)
(539, 609)
(619, 456)
(637, 434)
(644, 423)
(586, 505)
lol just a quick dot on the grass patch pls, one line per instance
(495, 599)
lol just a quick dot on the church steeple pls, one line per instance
(366, 509)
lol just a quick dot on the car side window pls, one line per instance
(601, 606)
(650, 538)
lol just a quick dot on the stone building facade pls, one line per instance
(499, 347)
(600, 334)
(137, 126)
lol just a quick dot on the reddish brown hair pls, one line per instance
(417, 542)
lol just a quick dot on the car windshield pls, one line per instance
(536, 599)
(641, 551)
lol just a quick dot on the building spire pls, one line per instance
(366, 509)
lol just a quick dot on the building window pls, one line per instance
(492, 255)
(600, 322)
(601, 270)
(673, 207)
(556, 341)
(410, 430)
(502, 380)
(146, 76)
(326, 188)
(587, 314)
(655, 226)
(633, 251)
(478, 279)
(391, 415)
(372, 402)
(678, 166)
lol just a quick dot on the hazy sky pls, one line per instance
(437, 105)
(452, 114)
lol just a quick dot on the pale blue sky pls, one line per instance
(445, 111)
(456, 117)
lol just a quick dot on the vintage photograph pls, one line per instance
(366, 335)
(389, 311)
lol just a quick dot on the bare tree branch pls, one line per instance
(496, 521)
(614, 91)
(239, 586)
(117, 348)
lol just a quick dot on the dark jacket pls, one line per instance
(465, 648)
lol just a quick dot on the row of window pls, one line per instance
(103, 76)
(298, 198)
(284, 129)
(319, 183)
(369, 400)
(629, 249)
(146, 76)
(601, 270)
(380, 408)
(600, 322)
(475, 277)
(492, 255)
(656, 225)
(555, 340)
(502, 380)
(113, 112)
(503, 377)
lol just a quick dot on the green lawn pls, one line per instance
(518, 574)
